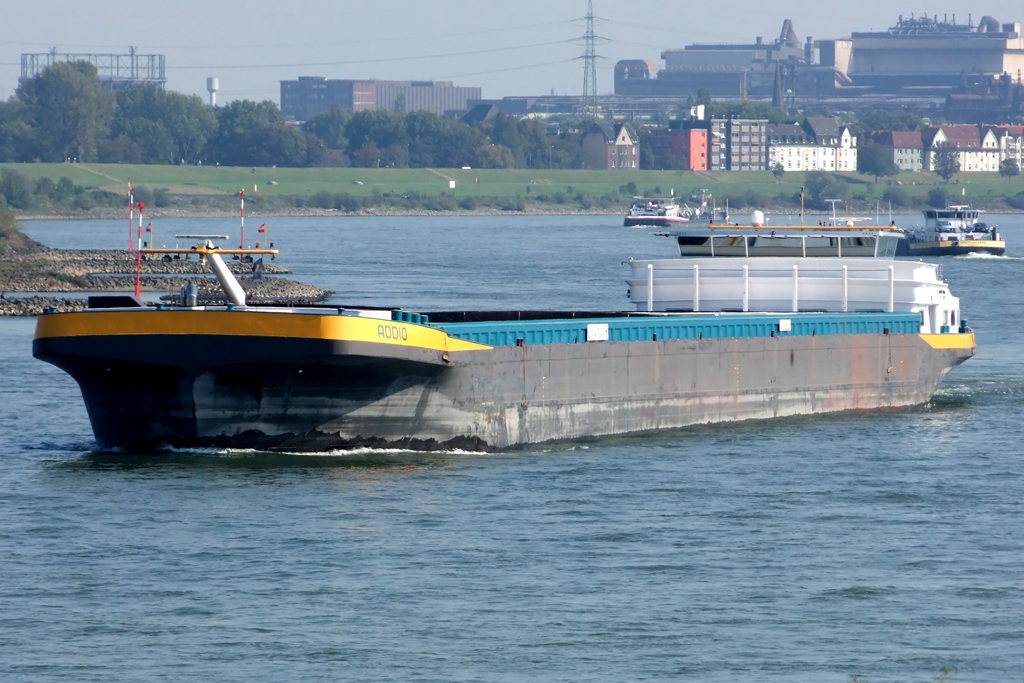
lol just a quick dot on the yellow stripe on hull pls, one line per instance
(247, 324)
(950, 341)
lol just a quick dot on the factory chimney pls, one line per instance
(809, 50)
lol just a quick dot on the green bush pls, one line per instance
(105, 198)
(64, 189)
(736, 201)
(442, 203)
(897, 195)
(755, 198)
(144, 195)
(346, 202)
(323, 200)
(45, 187)
(1016, 201)
(17, 189)
(468, 203)
(162, 197)
(85, 201)
(938, 198)
(513, 204)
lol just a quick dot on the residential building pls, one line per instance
(793, 147)
(904, 146)
(680, 147)
(747, 140)
(1010, 140)
(718, 145)
(310, 95)
(819, 144)
(605, 148)
(977, 148)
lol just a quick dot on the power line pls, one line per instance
(511, 68)
(372, 61)
(264, 46)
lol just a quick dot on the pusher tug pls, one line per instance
(954, 231)
(712, 340)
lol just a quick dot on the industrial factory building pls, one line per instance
(926, 52)
(310, 95)
(918, 58)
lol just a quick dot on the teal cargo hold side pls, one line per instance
(683, 326)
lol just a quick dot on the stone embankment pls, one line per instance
(68, 270)
(35, 305)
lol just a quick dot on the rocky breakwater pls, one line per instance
(75, 270)
(36, 305)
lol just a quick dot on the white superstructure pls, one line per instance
(794, 284)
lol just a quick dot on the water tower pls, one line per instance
(213, 85)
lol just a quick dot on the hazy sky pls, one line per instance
(518, 47)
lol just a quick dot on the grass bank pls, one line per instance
(270, 190)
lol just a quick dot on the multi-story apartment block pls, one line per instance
(819, 144)
(976, 147)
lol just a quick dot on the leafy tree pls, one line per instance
(881, 120)
(438, 141)
(946, 161)
(149, 136)
(367, 156)
(119, 150)
(821, 186)
(256, 134)
(329, 126)
(17, 141)
(382, 127)
(647, 158)
(69, 108)
(876, 161)
(747, 110)
(395, 156)
(778, 170)
(495, 156)
(1009, 169)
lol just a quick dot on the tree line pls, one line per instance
(65, 114)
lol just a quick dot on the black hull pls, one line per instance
(653, 222)
(905, 248)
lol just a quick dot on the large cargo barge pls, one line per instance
(311, 379)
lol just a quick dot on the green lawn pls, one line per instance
(493, 183)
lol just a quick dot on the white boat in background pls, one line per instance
(659, 212)
(954, 231)
(664, 212)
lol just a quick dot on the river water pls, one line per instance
(884, 547)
